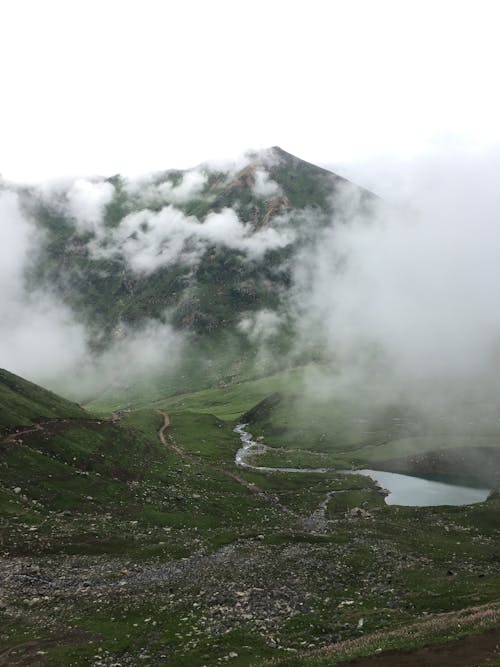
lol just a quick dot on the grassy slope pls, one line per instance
(22, 402)
(231, 402)
(115, 492)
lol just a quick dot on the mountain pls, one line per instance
(134, 537)
(186, 277)
(198, 248)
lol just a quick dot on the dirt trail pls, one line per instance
(11, 438)
(163, 436)
(470, 651)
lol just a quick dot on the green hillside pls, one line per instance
(127, 542)
(23, 402)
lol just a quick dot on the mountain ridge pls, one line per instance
(270, 195)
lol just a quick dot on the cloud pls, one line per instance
(190, 187)
(135, 355)
(81, 200)
(230, 165)
(265, 331)
(261, 326)
(38, 334)
(264, 187)
(226, 228)
(148, 240)
(42, 339)
(86, 201)
(407, 297)
(15, 234)
(147, 191)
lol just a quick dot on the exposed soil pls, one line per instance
(32, 653)
(54, 425)
(471, 651)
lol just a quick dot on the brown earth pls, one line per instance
(470, 651)
(53, 425)
(32, 653)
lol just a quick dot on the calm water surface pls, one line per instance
(418, 492)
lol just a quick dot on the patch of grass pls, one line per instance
(232, 401)
(286, 458)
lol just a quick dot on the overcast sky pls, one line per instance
(132, 86)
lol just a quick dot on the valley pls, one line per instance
(140, 541)
(229, 369)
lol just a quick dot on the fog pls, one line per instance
(403, 302)
(398, 300)
(148, 240)
(44, 340)
(39, 336)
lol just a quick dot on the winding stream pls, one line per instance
(251, 447)
(403, 489)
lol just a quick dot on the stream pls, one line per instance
(402, 489)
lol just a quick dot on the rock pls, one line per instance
(17, 490)
(358, 513)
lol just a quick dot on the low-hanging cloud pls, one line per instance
(86, 201)
(406, 297)
(398, 296)
(38, 334)
(42, 339)
(83, 201)
(261, 326)
(264, 187)
(148, 240)
(148, 191)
